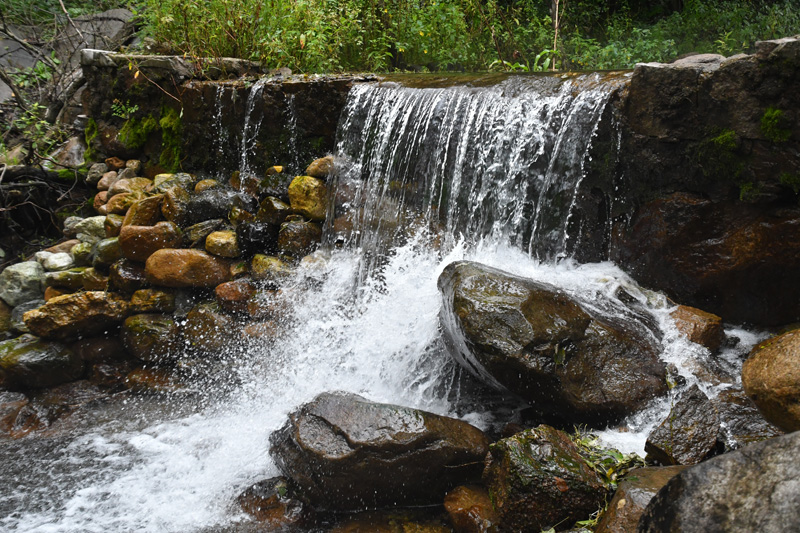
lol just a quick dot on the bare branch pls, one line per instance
(72, 22)
(17, 95)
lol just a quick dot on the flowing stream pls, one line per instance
(430, 175)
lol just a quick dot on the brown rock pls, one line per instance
(111, 375)
(62, 247)
(204, 185)
(271, 502)
(320, 168)
(145, 212)
(94, 280)
(234, 295)
(699, 327)
(632, 496)
(120, 203)
(269, 268)
(273, 211)
(139, 242)
(154, 380)
(71, 316)
(207, 329)
(175, 205)
(223, 243)
(52, 292)
(299, 238)
(124, 185)
(112, 225)
(470, 509)
(102, 210)
(115, 163)
(126, 276)
(186, 268)
(771, 378)
(309, 197)
(152, 337)
(265, 331)
(99, 349)
(107, 180)
(100, 199)
(152, 301)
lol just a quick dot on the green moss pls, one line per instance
(749, 191)
(171, 139)
(136, 131)
(791, 180)
(725, 140)
(66, 174)
(773, 126)
(89, 135)
(720, 158)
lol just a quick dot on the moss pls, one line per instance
(89, 135)
(773, 125)
(720, 158)
(791, 180)
(66, 174)
(725, 140)
(749, 191)
(135, 131)
(171, 149)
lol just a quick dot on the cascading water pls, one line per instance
(431, 176)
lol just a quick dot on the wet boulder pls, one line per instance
(107, 252)
(207, 329)
(127, 276)
(632, 496)
(29, 362)
(273, 504)
(223, 243)
(470, 509)
(71, 279)
(298, 237)
(17, 314)
(771, 378)
(309, 197)
(321, 168)
(82, 314)
(689, 433)
(197, 233)
(21, 282)
(572, 364)
(257, 237)
(91, 229)
(537, 479)
(273, 211)
(233, 296)
(699, 327)
(211, 203)
(145, 212)
(186, 268)
(752, 489)
(139, 242)
(152, 301)
(151, 337)
(345, 453)
(175, 205)
(741, 421)
(270, 268)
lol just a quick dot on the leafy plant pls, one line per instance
(123, 110)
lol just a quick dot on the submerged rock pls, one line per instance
(470, 509)
(29, 362)
(537, 480)
(272, 503)
(688, 434)
(771, 378)
(752, 489)
(537, 341)
(207, 329)
(82, 314)
(345, 453)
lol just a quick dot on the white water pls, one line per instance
(176, 464)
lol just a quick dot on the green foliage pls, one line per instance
(719, 157)
(135, 132)
(42, 135)
(610, 464)
(123, 110)
(791, 180)
(171, 138)
(89, 135)
(772, 123)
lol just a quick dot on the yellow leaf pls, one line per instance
(136, 75)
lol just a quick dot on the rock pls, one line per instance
(127, 276)
(309, 197)
(129, 185)
(95, 172)
(275, 184)
(17, 322)
(145, 212)
(271, 502)
(106, 181)
(186, 268)
(82, 314)
(100, 199)
(197, 233)
(21, 283)
(689, 433)
(152, 380)
(234, 295)
(28, 362)
(699, 327)
(175, 205)
(470, 509)
(398, 520)
(70, 228)
(99, 349)
(52, 292)
(299, 238)
(71, 279)
(134, 164)
(771, 378)
(111, 376)
(163, 182)
(120, 203)
(113, 225)
(57, 262)
(65, 246)
(204, 185)
(570, 363)
(154, 338)
(91, 229)
(94, 280)
(345, 452)
(257, 237)
(129, 174)
(82, 253)
(269, 268)
(211, 203)
(207, 329)
(107, 252)
(115, 163)
(11, 403)
(62, 400)
(273, 211)
(538, 480)
(223, 244)
(320, 168)
(152, 301)
(741, 422)
(752, 489)
(139, 242)
(632, 496)
(5, 319)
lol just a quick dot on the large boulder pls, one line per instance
(82, 314)
(537, 479)
(309, 197)
(741, 421)
(21, 282)
(151, 337)
(699, 327)
(186, 268)
(29, 362)
(139, 242)
(756, 488)
(771, 378)
(569, 362)
(345, 452)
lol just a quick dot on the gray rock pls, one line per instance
(17, 324)
(756, 488)
(58, 262)
(70, 225)
(30, 362)
(91, 229)
(96, 172)
(21, 283)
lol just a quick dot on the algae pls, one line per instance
(136, 131)
(771, 125)
(171, 150)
